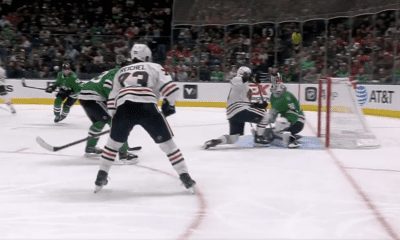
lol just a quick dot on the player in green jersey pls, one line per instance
(93, 98)
(292, 118)
(69, 85)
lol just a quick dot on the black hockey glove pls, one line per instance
(262, 105)
(167, 109)
(49, 89)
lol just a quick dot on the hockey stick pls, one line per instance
(24, 85)
(50, 148)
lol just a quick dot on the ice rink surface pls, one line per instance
(243, 193)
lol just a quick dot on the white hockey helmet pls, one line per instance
(242, 70)
(278, 89)
(141, 52)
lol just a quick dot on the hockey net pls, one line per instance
(341, 122)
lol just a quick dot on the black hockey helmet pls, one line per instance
(66, 66)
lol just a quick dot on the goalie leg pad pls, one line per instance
(282, 124)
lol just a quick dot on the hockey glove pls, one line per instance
(167, 109)
(262, 105)
(49, 89)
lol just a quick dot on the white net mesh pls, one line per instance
(348, 127)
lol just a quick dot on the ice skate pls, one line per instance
(293, 143)
(62, 117)
(211, 143)
(57, 119)
(188, 182)
(260, 141)
(101, 180)
(12, 109)
(128, 158)
(93, 152)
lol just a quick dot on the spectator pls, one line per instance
(71, 54)
(99, 59)
(204, 71)
(312, 76)
(383, 77)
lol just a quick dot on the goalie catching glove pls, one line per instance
(49, 89)
(167, 109)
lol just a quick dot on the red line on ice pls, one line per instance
(381, 219)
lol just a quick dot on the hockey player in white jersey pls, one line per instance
(240, 110)
(3, 90)
(133, 101)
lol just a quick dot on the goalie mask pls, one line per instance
(278, 89)
(141, 52)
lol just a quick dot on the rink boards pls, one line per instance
(378, 100)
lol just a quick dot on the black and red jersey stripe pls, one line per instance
(168, 88)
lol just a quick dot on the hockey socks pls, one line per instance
(57, 106)
(10, 105)
(109, 154)
(65, 112)
(175, 156)
(95, 129)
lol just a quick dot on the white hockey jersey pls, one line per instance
(2, 76)
(239, 97)
(142, 82)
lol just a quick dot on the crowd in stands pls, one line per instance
(36, 39)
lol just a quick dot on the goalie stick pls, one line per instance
(50, 148)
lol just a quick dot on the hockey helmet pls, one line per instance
(141, 52)
(278, 89)
(66, 66)
(242, 70)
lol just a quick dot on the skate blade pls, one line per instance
(133, 161)
(97, 188)
(192, 189)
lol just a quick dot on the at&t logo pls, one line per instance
(362, 95)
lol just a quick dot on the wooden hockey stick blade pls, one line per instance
(23, 82)
(135, 148)
(44, 145)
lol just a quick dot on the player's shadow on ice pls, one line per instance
(113, 195)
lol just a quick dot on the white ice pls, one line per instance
(242, 193)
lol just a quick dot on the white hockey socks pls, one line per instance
(175, 156)
(109, 154)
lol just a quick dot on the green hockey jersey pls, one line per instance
(288, 106)
(71, 82)
(99, 88)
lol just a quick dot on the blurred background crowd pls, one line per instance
(36, 38)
